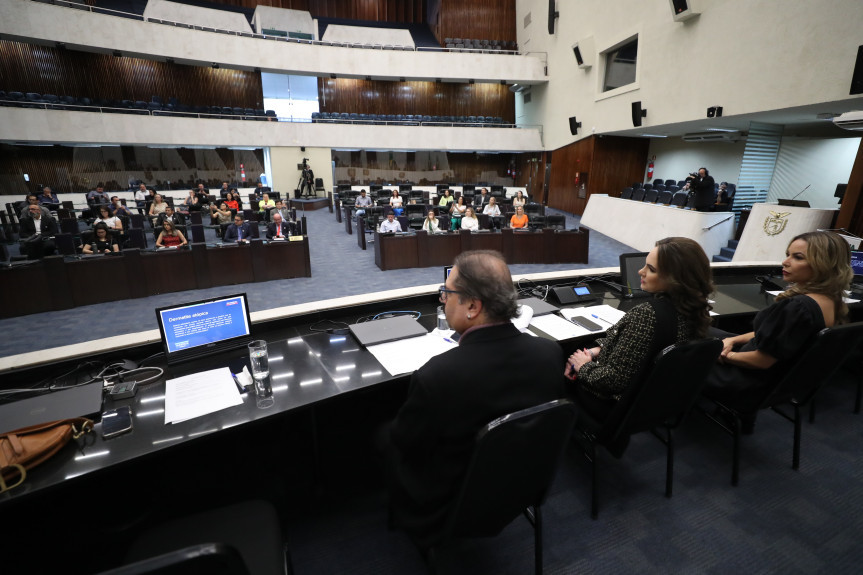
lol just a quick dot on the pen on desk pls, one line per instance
(600, 319)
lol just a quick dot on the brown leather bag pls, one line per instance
(27, 447)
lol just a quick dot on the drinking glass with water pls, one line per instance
(259, 359)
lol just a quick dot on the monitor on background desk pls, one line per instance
(205, 327)
(857, 267)
(630, 264)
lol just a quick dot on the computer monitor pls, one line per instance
(446, 272)
(857, 266)
(629, 278)
(205, 327)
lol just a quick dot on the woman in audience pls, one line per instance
(170, 237)
(233, 200)
(493, 211)
(518, 219)
(157, 207)
(457, 210)
(220, 216)
(677, 272)
(192, 203)
(396, 203)
(430, 224)
(469, 221)
(445, 200)
(103, 241)
(519, 199)
(105, 217)
(817, 265)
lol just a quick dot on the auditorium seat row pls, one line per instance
(653, 196)
(484, 45)
(409, 119)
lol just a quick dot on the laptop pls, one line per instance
(387, 329)
(538, 306)
(81, 401)
(630, 281)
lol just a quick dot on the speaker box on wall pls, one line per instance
(682, 10)
(584, 51)
(574, 126)
(637, 114)
(857, 78)
(577, 53)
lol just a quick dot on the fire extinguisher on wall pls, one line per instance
(242, 172)
(577, 178)
(650, 169)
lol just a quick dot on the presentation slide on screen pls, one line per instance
(190, 326)
(857, 263)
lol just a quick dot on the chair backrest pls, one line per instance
(678, 199)
(638, 194)
(626, 194)
(514, 462)
(650, 196)
(65, 244)
(829, 350)
(668, 391)
(664, 198)
(210, 558)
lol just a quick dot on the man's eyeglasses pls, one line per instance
(443, 293)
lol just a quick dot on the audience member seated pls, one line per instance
(36, 232)
(430, 223)
(157, 208)
(239, 231)
(105, 217)
(233, 200)
(170, 237)
(103, 241)
(220, 216)
(390, 224)
(192, 203)
(98, 196)
(361, 203)
(457, 210)
(265, 203)
(518, 219)
(519, 199)
(721, 197)
(445, 200)
(170, 215)
(492, 210)
(678, 273)
(118, 209)
(480, 200)
(469, 221)
(396, 203)
(142, 194)
(33, 200)
(48, 197)
(202, 193)
(279, 229)
(282, 211)
(495, 370)
(817, 265)
(223, 191)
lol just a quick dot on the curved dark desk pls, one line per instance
(57, 283)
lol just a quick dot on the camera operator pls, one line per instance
(307, 179)
(703, 187)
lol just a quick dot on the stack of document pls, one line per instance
(199, 394)
(562, 327)
(410, 354)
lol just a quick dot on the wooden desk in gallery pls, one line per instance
(422, 249)
(56, 283)
(641, 224)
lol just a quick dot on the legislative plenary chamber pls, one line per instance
(226, 238)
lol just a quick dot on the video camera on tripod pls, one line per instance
(306, 185)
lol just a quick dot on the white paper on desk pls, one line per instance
(199, 394)
(557, 327)
(408, 355)
(607, 314)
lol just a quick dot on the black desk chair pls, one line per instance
(239, 539)
(832, 347)
(662, 399)
(513, 465)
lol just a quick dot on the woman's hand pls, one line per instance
(575, 361)
(727, 347)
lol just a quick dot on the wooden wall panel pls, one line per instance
(422, 168)
(604, 164)
(408, 11)
(46, 70)
(479, 19)
(426, 98)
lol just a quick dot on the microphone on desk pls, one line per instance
(801, 191)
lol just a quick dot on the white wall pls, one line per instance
(821, 163)
(176, 12)
(747, 56)
(675, 159)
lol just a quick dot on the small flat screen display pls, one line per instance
(204, 327)
(581, 290)
(857, 265)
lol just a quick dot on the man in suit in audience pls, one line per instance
(278, 228)
(239, 231)
(37, 233)
(495, 370)
(282, 211)
(176, 218)
(480, 200)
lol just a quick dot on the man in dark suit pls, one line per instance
(495, 370)
(239, 231)
(703, 186)
(37, 233)
(480, 200)
(278, 228)
(176, 218)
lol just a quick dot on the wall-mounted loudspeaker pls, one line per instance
(714, 112)
(681, 10)
(857, 78)
(552, 16)
(583, 50)
(637, 114)
(574, 126)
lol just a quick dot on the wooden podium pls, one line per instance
(770, 228)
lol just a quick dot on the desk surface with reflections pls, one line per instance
(306, 369)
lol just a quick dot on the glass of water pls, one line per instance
(442, 324)
(258, 359)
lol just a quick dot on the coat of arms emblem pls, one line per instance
(775, 223)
